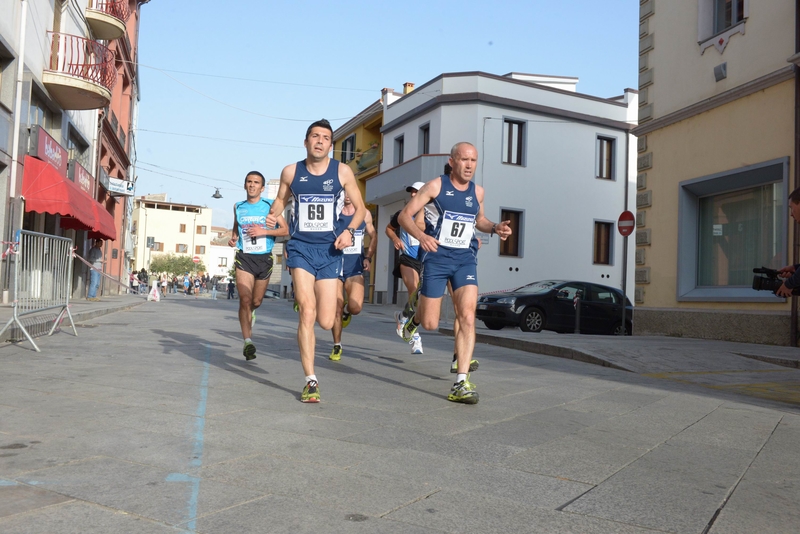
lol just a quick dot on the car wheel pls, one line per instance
(532, 320)
(493, 325)
(619, 331)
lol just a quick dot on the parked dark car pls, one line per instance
(550, 305)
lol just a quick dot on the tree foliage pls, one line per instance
(173, 265)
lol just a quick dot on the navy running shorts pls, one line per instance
(323, 261)
(435, 276)
(353, 266)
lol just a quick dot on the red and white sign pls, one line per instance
(47, 149)
(626, 223)
(196, 259)
(82, 178)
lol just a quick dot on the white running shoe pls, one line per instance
(416, 344)
(398, 316)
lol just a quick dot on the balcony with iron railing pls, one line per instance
(81, 73)
(107, 18)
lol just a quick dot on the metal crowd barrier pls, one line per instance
(42, 279)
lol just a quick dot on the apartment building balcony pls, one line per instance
(81, 73)
(107, 18)
(390, 185)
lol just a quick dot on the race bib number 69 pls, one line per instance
(315, 213)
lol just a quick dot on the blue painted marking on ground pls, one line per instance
(7, 483)
(197, 461)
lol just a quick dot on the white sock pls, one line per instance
(248, 340)
(460, 377)
(337, 345)
(309, 378)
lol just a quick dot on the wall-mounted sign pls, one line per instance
(120, 187)
(81, 177)
(44, 147)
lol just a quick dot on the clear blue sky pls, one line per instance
(248, 65)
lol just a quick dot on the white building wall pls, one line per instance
(164, 226)
(556, 189)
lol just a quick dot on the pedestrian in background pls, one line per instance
(95, 257)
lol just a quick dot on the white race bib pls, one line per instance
(358, 243)
(457, 229)
(254, 245)
(315, 213)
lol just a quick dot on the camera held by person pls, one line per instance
(771, 280)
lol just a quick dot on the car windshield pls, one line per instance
(538, 287)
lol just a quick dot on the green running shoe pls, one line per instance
(296, 307)
(463, 392)
(336, 353)
(346, 318)
(253, 319)
(310, 392)
(473, 366)
(409, 329)
(249, 351)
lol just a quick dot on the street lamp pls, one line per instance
(216, 194)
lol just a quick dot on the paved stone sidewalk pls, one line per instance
(151, 421)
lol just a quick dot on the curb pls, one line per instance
(541, 348)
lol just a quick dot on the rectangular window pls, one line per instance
(425, 139)
(729, 223)
(40, 114)
(605, 158)
(727, 13)
(202, 230)
(223, 262)
(181, 248)
(158, 247)
(79, 151)
(399, 145)
(513, 142)
(511, 246)
(199, 249)
(349, 149)
(738, 231)
(602, 242)
(183, 229)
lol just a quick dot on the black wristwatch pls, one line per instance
(352, 231)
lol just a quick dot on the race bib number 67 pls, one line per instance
(457, 229)
(315, 213)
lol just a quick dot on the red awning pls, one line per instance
(105, 223)
(46, 191)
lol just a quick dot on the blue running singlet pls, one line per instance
(317, 203)
(248, 214)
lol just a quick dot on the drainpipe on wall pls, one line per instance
(796, 234)
(12, 182)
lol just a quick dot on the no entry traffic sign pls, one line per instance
(626, 223)
(196, 259)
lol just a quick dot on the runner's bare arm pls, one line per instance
(279, 204)
(235, 232)
(373, 237)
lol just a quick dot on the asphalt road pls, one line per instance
(151, 421)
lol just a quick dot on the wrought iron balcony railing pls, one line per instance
(116, 8)
(82, 58)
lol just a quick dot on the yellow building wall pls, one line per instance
(753, 129)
